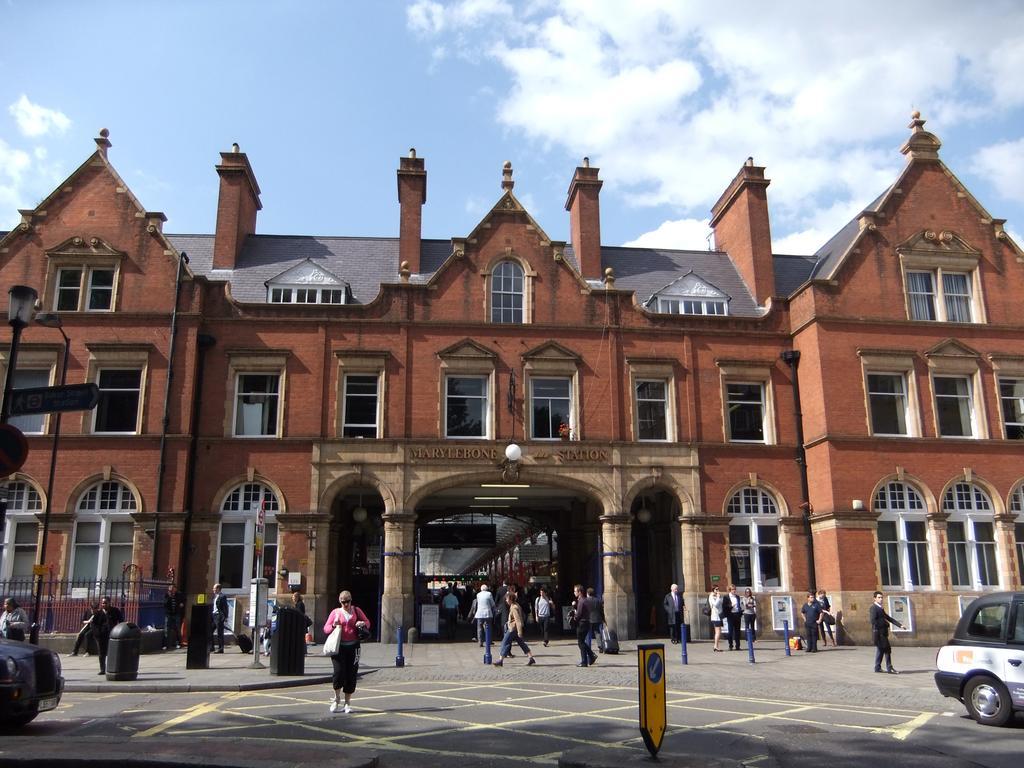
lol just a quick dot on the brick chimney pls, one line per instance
(236, 207)
(740, 222)
(412, 194)
(585, 219)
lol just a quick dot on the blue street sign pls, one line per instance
(73, 397)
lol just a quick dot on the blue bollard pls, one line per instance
(487, 642)
(399, 659)
(682, 641)
(750, 644)
(785, 635)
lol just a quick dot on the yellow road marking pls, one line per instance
(190, 714)
(901, 732)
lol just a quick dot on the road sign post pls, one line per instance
(653, 705)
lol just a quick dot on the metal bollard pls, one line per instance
(399, 659)
(487, 642)
(682, 641)
(750, 644)
(785, 635)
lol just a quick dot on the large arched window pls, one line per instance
(104, 532)
(902, 537)
(507, 293)
(970, 531)
(754, 552)
(21, 532)
(240, 513)
(1017, 508)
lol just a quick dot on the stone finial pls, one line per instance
(506, 176)
(609, 278)
(404, 271)
(103, 141)
(922, 145)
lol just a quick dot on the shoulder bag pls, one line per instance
(333, 642)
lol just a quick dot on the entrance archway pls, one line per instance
(656, 563)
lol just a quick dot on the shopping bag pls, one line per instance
(332, 642)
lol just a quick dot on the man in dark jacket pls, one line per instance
(584, 612)
(219, 608)
(174, 612)
(99, 626)
(731, 611)
(811, 610)
(880, 621)
(673, 606)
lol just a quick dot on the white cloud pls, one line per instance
(669, 98)
(681, 234)
(1003, 165)
(34, 120)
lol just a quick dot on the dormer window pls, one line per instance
(690, 295)
(307, 283)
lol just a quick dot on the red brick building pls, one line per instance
(360, 390)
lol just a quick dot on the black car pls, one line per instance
(983, 663)
(30, 682)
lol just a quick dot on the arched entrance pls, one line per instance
(656, 562)
(356, 539)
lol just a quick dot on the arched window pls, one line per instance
(970, 531)
(754, 552)
(21, 532)
(902, 537)
(104, 532)
(507, 293)
(1017, 508)
(240, 513)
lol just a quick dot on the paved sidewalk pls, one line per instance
(834, 675)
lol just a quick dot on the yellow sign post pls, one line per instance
(653, 707)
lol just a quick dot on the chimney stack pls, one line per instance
(585, 219)
(237, 205)
(740, 222)
(412, 194)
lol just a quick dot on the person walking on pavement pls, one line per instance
(85, 633)
(13, 621)
(450, 607)
(811, 610)
(673, 605)
(749, 604)
(826, 619)
(514, 632)
(714, 613)
(880, 621)
(731, 611)
(348, 619)
(543, 610)
(99, 626)
(582, 615)
(483, 610)
(596, 620)
(220, 617)
(174, 612)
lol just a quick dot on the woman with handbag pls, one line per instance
(346, 627)
(827, 619)
(714, 612)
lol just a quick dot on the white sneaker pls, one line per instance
(348, 709)
(334, 706)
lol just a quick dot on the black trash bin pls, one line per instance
(288, 643)
(199, 628)
(123, 652)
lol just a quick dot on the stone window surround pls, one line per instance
(124, 356)
(17, 516)
(86, 262)
(265, 361)
(968, 367)
(880, 361)
(529, 276)
(467, 364)
(366, 363)
(105, 518)
(748, 372)
(249, 518)
(34, 357)
(1005, 367)
(901, 517)
(654, 370)
(551, 368)
(752, 520)
(969, 518)
(936, 263)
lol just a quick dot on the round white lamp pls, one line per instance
(513, 452)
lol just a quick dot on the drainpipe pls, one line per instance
(792, 358)
(204, 343)
(182, 260)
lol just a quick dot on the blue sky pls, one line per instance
(668, 98)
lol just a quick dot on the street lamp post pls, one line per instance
(19, 314)
(49, 320)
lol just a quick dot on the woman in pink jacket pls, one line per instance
(346, 660)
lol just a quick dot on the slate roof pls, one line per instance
(832, 252)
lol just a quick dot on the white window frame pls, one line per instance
(900, 376)
(290, 294)
(972, 414)
(241, 505)
(104, 390)
(106, 514)
(570, 384)
(345, 394)
(1017, 510)
(692, 305)
(761, 403)
(976, 507)
(83, 300)
(275, 396)
(666, 410)
(487, 408)
(1017, 382)
(497, 288)
(938, 298)
(24, 504)
(901, 503)
(750, 507)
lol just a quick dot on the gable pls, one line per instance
(467, 349)
(306, 273)
(689, 285)
(551, 351)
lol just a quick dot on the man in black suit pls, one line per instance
(731, 610)
(673, 605)
(880, 621)
(219, 607)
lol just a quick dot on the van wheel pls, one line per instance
(987, 700)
